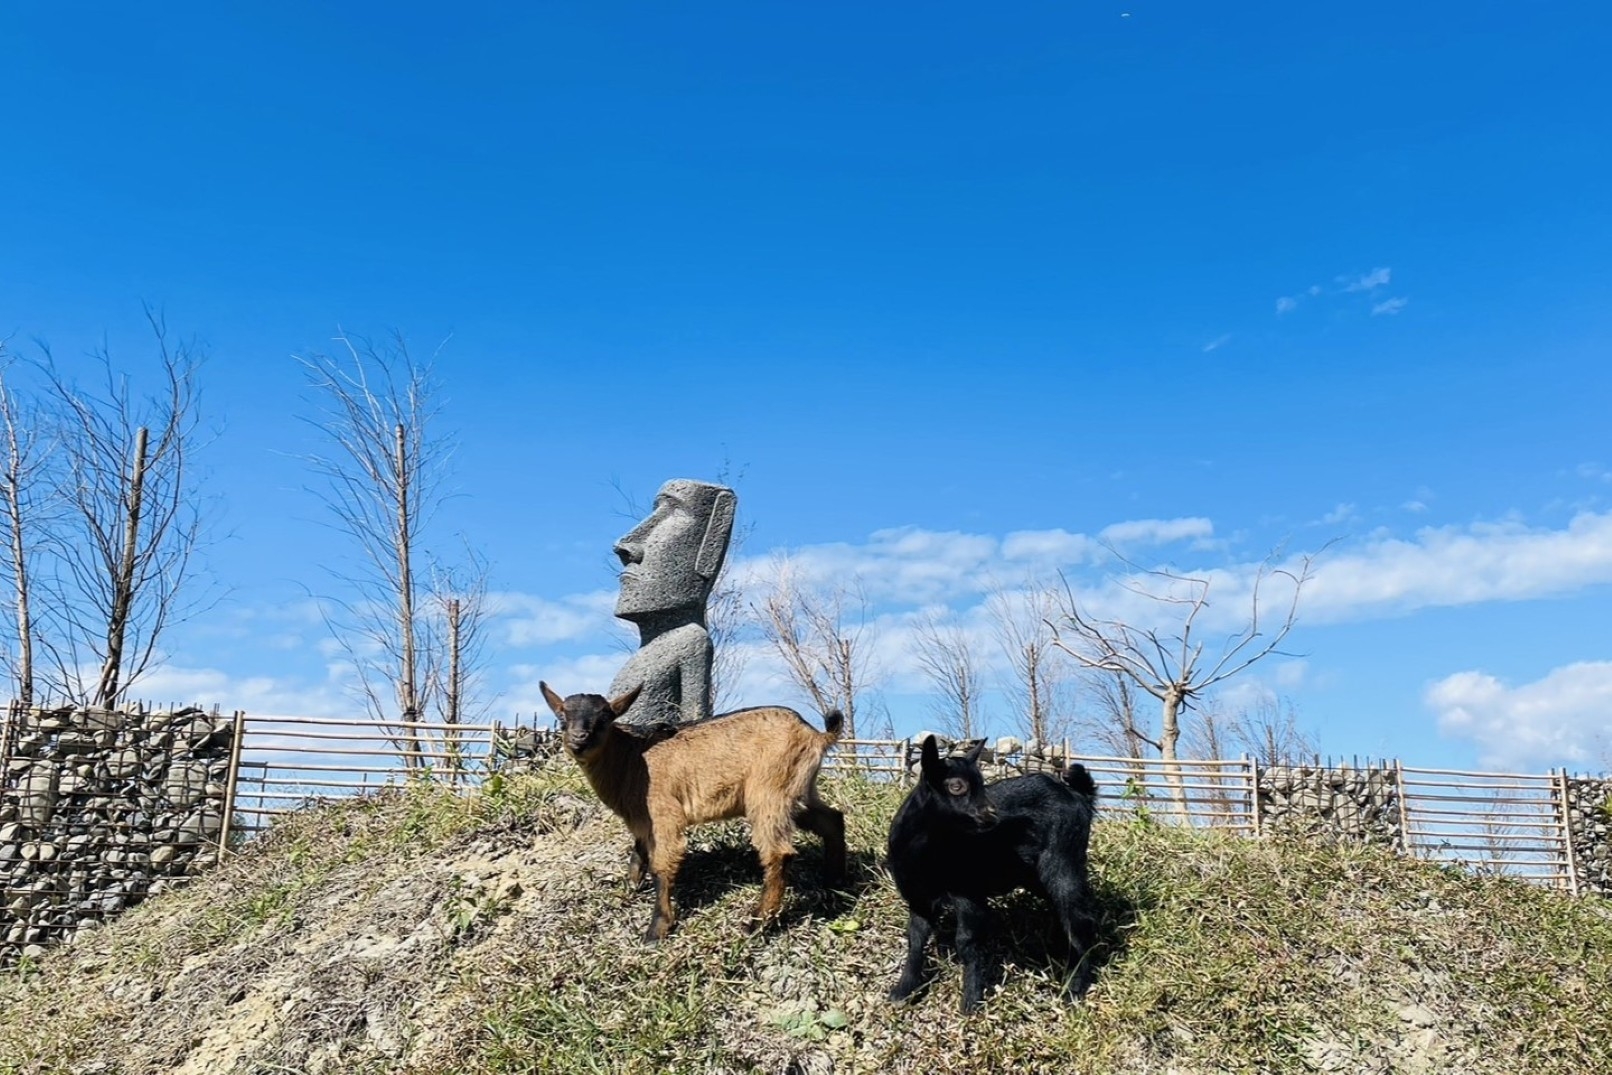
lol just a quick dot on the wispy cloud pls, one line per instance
(1555, 720)
(1157, 531)
(1353, 283)
(1367, 281)
(1340, 514)
(527, 620)
(1460, 566)
(1217, 343)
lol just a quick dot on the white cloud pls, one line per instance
(1156, 531)
(1340, 514)
(1556, 720)
(1217, 343)
(256, 695)
(528, 620)
(1367, 281)
(1050, 546)
(1389, 307)
(1459, 566)
(1286, 305)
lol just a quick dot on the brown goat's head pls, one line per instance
(585, 719)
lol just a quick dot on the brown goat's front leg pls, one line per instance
(665, 859)
(775, 876)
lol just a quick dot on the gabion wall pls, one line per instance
(100, 808)
(517, 748)
(1352, 803)
(1589, 819)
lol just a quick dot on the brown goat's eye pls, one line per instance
(957, 785)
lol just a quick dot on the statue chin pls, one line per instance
(641, 598)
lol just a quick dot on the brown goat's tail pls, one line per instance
(833, 724)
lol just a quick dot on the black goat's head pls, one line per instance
(585, 719)
(957, 786)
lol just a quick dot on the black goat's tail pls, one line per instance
(833, 723)
(1080, 780)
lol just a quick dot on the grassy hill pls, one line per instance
(421, 932)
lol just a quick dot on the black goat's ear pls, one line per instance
(620, 705)
(554, 700)
(931, 755)
(973, 755)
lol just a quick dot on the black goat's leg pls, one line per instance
(919, 929)
(973, 920)
(1079, 930)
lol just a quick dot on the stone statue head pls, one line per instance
(670, 561)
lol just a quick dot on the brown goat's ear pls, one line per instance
(973, 755)
(555, 702)
(620, 705)
(931, 755)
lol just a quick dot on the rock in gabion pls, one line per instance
(1357, 803)
(99, 808)
(518, 749)
(1589, 821)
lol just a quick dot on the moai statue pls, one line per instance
(670, 562)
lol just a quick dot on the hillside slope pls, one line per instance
(425, 933)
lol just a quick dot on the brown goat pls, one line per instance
(757, 763)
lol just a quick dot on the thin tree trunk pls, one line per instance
(408, 691)
(19, 564)
(450, 704)
(117, 623)
(1169, 736)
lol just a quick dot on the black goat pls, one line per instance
(956, 838)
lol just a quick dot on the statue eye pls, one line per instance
(957, 785)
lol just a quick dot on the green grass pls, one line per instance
(494, 933)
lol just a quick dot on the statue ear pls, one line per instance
(717, 534)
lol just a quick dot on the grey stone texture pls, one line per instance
(100, 808)
(1589, 823)
(669, 563)
(1357, 803)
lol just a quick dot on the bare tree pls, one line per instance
(25, 520)
(1269, 731)
(726, 614)
(383, 475)
(133, 523)
(825, 653)
(1039, 695)
(453, 649)
(945, 656)
(455, 629)
(1115, 727)
(1172, 663)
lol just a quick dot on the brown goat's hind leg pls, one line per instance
(828, 823)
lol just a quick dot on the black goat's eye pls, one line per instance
(957, 786)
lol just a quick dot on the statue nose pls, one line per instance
(629, 553)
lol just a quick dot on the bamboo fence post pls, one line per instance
(1564, 803)
(232, 777)
(1406, 844)
(1252, 768)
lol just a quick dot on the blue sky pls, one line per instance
(924, 277)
